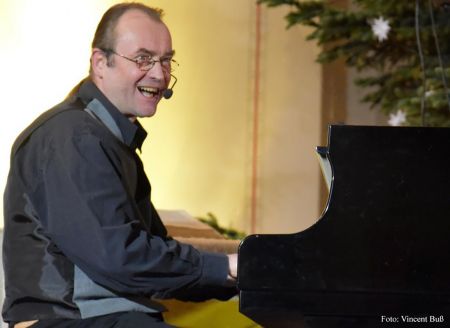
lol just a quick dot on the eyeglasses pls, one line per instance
(146, 63)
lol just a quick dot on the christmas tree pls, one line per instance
(401, 50)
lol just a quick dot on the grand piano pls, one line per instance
(380, 254)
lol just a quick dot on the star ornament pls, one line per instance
(380, 28)
(397, 119)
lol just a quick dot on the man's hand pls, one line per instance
(232, 270)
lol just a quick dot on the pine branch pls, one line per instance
(396, 77)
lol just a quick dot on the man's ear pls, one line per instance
(99, 62)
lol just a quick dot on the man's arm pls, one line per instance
(95, 222)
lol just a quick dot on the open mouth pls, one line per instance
(149, 91)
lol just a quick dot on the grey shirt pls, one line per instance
(77, 197)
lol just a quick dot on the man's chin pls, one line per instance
(147, 108)
(147, 112)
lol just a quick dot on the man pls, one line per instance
(83, 244)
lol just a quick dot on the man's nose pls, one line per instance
(157, 72)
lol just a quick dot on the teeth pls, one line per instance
(148, 91)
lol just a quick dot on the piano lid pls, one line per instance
(382, 244)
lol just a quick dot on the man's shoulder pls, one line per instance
(72, 106)
(62, 117)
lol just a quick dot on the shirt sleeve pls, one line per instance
(94, 221)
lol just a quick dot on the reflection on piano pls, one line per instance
(380, 251)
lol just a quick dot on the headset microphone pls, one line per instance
(169, 92)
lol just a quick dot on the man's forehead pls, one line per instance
(136, 16)
(136, 25)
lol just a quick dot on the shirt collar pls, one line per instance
(133, 133)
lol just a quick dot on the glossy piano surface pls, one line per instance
(381, 247)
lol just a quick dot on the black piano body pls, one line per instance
(379, 254)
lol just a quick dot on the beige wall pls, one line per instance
(290, 127)
(199, 156)
(198, 153)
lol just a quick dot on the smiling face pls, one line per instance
(134, 92)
